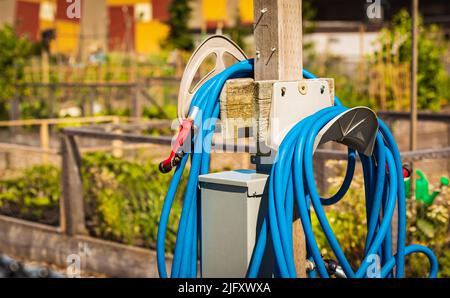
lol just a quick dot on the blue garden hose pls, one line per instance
(186, 253)
(292, 180)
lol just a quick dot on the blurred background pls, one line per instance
(92, 86)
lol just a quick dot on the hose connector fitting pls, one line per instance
(177, 152)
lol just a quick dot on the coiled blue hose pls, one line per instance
(292, 180)
(185, 258)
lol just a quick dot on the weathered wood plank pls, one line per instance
(263, 101)
(53, 121)
(245, 103)
(72, 219)
(237, 106)
(278, 39)
(45, 140)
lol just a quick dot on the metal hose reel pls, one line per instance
(218, 45)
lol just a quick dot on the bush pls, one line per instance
(13, 54)
(33, 196)
(179, 35)
(432, 77)
(123, 199)
(429, 226)
(153, 112)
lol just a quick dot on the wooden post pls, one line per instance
(45, 140)
(136, 105)
(361, 64)
(7, 12)
(51, 100)
(321, 174)
(448, 145)
(72, 220)
(117, 144)
(14, 110)
(90, 102)
(45, 67)
(93, 28)
(278, 41)
(414, 62)
(8, 160)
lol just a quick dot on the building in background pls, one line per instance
(115, 25)
(343, 27)
(139, 26)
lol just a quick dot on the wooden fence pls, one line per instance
(138, 91)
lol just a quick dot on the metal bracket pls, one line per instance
(218, 45)
(294, 101)
(356, 128)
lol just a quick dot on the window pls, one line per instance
(47, 11)
(143, 12)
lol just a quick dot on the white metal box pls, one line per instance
(233, 205)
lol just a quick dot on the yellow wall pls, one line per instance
(44, 25)
(67, 33)
(67, 37)
(215, 10)
(246, 10)
(149, 36)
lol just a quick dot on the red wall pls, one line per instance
(161, 10)
(117, 27)
(27, 19)
(61, 11)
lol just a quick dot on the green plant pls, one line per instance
(396, 43)
(159, 65)
(429, 225)
(32, 196)
(153, 112)
(348, 89)
(14, 51)
(124, 200)
(34, 109)
(179, 35)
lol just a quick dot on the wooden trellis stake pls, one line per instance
(278, 57)
(246, 103)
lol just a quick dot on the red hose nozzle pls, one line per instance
(167, 165)
(177, 152)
